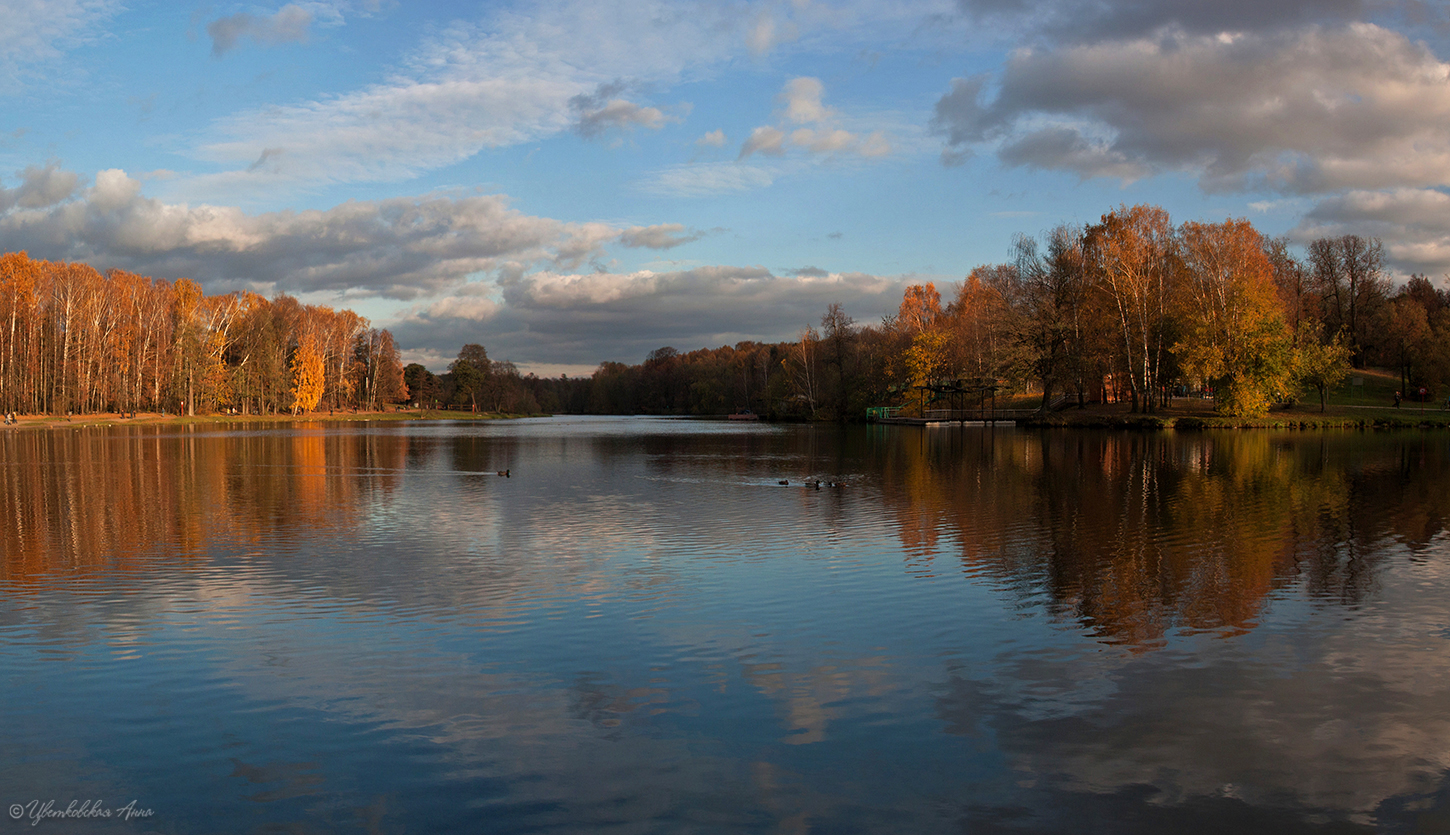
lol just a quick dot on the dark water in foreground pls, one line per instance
(322, 628)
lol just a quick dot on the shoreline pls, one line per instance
(30, 422)
(1114, 416)
(1335, 417)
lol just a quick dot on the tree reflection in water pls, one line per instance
(989, 630)
(104, 498)
(1134, 534)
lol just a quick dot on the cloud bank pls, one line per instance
(398, 248)
(1305, 98)
(554, 317)
(474, 269)
(1306, 111)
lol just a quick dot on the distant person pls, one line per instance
(1397, 400)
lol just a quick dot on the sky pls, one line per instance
(572, 182)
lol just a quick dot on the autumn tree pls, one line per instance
(920, 308)
(1406, 341)
(1052, 318)
(1419, 290)
(928, 360)
(1233, 333)
(20, 308)
(801, 367)
(662, 387)
(1132, 255)
(379, 371)
(980, 322)
(307, 374)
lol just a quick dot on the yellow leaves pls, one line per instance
(926, 359)
(307, 377)
(1233, 327)
(186, 296)
(19, 276)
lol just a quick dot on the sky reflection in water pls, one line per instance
(641, 630)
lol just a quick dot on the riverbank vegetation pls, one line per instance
(74, 340)
(1130, 314)
(1131, 311)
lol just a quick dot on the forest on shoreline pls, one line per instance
(1129, 309)
(1132, 308)
(74, 340)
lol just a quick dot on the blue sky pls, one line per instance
(572, 182)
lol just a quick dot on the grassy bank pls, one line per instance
(1111, 417)
(1365, 400)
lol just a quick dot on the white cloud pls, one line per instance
(467, 261)
(1068, 149)
(801, 104)
(802, 100)
(765, 32)
(764, 140)
(473, 308)
(39, 188)
(507, 79)
(36, 33)
(706, 179)
(402, 247)
(1302, 111)
(388, 132)
(289, 25)
(713, 139)
(517, 76)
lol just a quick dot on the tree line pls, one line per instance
(73, 339)
(1136, 308)
(475, 383)
(1131, 308)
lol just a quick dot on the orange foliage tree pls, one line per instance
(74, 340)
(307, 376)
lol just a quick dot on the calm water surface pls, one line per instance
(324, 628)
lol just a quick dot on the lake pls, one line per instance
(364, 627)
